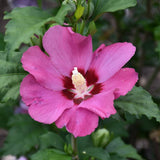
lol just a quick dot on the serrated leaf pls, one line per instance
(51, 139)
(118, 147)
(23, 24)
(139, 102)
(50, 154)
(23, 135)
(96, 152)
(102, 6)
(9, 79)
(13, 93)
(6, 66)
(11, 75)
(14, 57)
(27, 21)
(10, 63)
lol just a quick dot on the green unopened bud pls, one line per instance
(36, 40)
(68, 149)
(79, 12)
(92, 28)
(101, 137)
(72, 4)
(88, 9)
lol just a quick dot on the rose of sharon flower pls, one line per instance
(72, 86)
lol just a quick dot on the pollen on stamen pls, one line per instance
(78, 81)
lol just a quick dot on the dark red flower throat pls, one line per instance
(91, 81)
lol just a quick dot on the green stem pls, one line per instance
(74, 147)
(82, 27)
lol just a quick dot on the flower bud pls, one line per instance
(101, 137)
(88, 9)
(36, 40)
(72, 4)
(68, 149)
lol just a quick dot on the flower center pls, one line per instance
(79, 81)
(81, 86)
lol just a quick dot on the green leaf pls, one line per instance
(11, 75)
(157, 37)
(51, 139)
(83, 143)
(102, 6)
(13, 93)
(27, 21)
(6, 112)
(118, 147)
(63, 11)
(9, 79)
(2, 43)
(157, 33)
(115, 157)
(96, 152)
(23, 135)
(7, 66)
(50, 154)
(139, 102)
(118, 127)
(86, 149)
(13, 57)
(23, 24)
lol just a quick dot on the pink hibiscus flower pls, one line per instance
(72, 86)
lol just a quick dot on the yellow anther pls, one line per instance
(78, 81)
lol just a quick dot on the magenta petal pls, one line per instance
(68, 49)
(101, 104)
(108, 60)
(98, 50)
(78, 121)
(40, 66)
(45, 105)
(64, 119)
(122, 82)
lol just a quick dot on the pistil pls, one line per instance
(78, 81)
